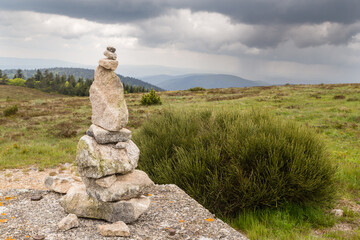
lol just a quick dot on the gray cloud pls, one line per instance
(104, 11)
(256, 38)
(285, 11)
(272, 21)
(321, 34)
(252, 12)
(263, 37)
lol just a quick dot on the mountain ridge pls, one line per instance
(183, 82)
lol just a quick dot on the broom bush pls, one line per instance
(230, 161)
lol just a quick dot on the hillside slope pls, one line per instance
(10, 95)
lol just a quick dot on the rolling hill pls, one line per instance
(184, 82)
(84, 73)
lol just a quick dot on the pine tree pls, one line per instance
(19, 74)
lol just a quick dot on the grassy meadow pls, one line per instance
(45, 130)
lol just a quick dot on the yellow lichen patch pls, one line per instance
(182, 220)
(3, 220)
(209, 219)
(3, 214)
(7, 198)
(149, 195)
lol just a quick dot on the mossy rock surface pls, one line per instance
(97, 160)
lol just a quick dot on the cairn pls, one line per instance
(113, 189)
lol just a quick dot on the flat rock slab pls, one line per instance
(120, 187)
(103, 136)
(78, 202)
(170, 209)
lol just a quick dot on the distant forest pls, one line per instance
(67, 81)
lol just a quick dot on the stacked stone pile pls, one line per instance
(113, 189)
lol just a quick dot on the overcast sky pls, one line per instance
(309, 40)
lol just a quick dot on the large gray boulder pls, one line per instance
(78, 202)
(95, 160)
(109, 109)
(104, 136)
(127, 186)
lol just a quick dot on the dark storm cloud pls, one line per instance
(246, 11)
(284, 11)
(104, 11)
(271, 22)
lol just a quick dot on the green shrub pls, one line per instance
(231, 161)
(17, 82)
(150, 98)
(10, 110)
(196, 89)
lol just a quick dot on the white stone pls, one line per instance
(109, 109)
(95, 160)
(60, 183)
(3, 209)
(118, 229)
(126, 186)
(337, 212)
(104, 136)
(68, 222)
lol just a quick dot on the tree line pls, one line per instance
(64, 84)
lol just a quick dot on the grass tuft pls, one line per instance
(339, 97)
(196, 89)
(10, 110)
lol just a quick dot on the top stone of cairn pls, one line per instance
(110, 54)
(111, 49)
